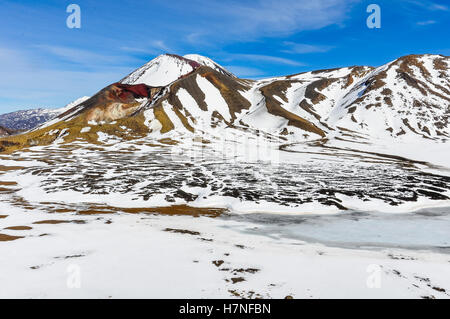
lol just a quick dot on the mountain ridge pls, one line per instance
(172, 95)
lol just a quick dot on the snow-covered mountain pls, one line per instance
(406, 98)
(28, 119)
(167, 68)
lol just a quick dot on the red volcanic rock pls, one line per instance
(138, 90)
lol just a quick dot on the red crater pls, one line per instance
(137, 90)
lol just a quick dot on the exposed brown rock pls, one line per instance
(440, 64)
(311, 90)
(358, 72)
(274, 107)
(406, 62)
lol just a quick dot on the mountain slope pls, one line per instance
(409, 96)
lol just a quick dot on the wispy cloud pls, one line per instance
(84, 57)
(439, 7)
(263, 58)
(243, 71)
(428, 22)
(153, 47)
(159, 44)
(302, 48)
(197, 38)
(261, 18)
(428, 5)
(134, 49)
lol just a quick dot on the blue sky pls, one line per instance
(45, 64)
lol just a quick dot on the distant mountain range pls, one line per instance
(405, 98)
(27, 119)
(24, 120)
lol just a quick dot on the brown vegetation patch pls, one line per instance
(19, 228)
(7, 183)
(10, 168)
(163, 118)
(178, 210)
(4, 237)
(56, 222)
(3, 216)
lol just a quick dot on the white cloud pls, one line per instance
(159, 44)
(154, 47)
(428, 5)
(243, 71)
(84, 57)
(428, 22)
(439, 7)
(264, 58)
(237, 20)
(134, 49)
(301, 48)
